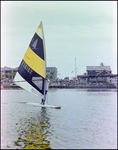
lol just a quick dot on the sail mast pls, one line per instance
(75, 67)
(44, 47)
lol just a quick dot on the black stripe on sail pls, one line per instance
(36, 45)
(31, 77)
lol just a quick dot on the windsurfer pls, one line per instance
(47, 82)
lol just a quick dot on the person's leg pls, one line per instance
(45, 97)
(41, 101)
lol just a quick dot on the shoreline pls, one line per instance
(85, 86)
(67, 86)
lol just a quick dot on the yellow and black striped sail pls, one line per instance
(33, 66)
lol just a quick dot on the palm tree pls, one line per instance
(13, 74)
(51, 74)
(101, 64)
(66, 78)
(74, 78)
(2, 76)
(8, 75)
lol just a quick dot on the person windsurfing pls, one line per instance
(47, 82)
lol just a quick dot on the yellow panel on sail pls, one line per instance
(35, 62)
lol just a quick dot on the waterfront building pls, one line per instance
(97, 74)
(5, 70)
(98, 70)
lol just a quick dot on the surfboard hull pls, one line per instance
(46, 105)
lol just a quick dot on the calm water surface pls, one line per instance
(87, 119)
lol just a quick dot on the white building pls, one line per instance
(5, 70)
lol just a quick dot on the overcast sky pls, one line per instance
(85, 30)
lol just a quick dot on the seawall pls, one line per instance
(67, 86)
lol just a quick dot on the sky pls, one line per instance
(77, 33)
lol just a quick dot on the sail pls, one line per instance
(32, 70)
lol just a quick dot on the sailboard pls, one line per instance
(46, 105)
(31, 73)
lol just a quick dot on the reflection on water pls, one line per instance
(34, 132)
(87, 120)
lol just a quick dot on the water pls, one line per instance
(87, 119)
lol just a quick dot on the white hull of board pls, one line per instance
(46, 105)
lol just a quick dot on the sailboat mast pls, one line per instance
(44, 47)
(44, 56)
(75, 67)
